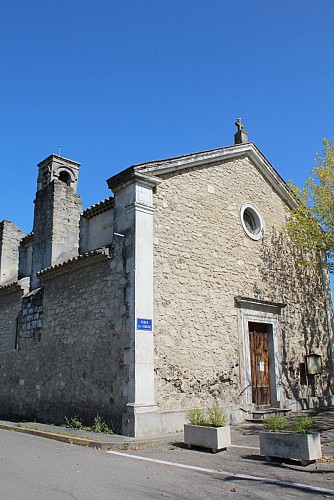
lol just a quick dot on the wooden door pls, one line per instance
(259, 360)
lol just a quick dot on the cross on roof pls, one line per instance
(239, 124)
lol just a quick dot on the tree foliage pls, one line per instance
(311, 225)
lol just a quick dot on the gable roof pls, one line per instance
(151, 171)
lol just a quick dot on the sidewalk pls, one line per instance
(87, 438)
(244, 434)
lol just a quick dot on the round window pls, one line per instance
(251, 221)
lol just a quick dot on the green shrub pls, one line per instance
(214, 416)
(74, 422)
(197, 417)
(302, 425)
(275, 423)
(99, 425)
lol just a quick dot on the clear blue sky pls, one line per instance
(117, 82)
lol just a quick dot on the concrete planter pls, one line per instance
(216, 438)
(303, 447)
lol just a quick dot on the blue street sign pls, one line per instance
(144, 324)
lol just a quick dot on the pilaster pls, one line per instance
(133, 218)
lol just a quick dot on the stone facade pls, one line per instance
(203, 261)
(142, 306)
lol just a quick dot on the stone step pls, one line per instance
(260, 414)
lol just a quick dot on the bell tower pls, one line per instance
(56, 215)
(56, 167)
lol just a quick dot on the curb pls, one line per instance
(90, 443)
(51, 435)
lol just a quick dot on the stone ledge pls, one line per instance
(83, 260)
(99, 208)
(11, 288)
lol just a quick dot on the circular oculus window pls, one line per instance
(251, 221)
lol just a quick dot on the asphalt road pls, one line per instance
(33, 468)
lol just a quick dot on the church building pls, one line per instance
(178, 291)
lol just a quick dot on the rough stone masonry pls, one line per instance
(178, 291)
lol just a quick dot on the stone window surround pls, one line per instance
(257, 218)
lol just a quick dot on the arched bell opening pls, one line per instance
(65, 177)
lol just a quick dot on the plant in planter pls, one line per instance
(207, 429)
(276, 423)
(290, 441)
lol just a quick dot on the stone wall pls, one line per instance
(56, 226)
(10, 301)
(74, 363)
(42, 229)
(96, 231)
(67, 207)
(305, 323)
(11, 382)
(30, 319)
(10, 237)
(25, 256)
(203, 260)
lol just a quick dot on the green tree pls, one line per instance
(311, 225)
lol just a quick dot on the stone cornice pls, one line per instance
(83, 260)
(253, 303)
(150, 172)
(160, 167)
(139, 207)
(129, 176)
(205, 158)
(59, 159)
(28, 238)
(99, 208)
(13, 287)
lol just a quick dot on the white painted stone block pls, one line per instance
(216, 438)
(294, 446)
